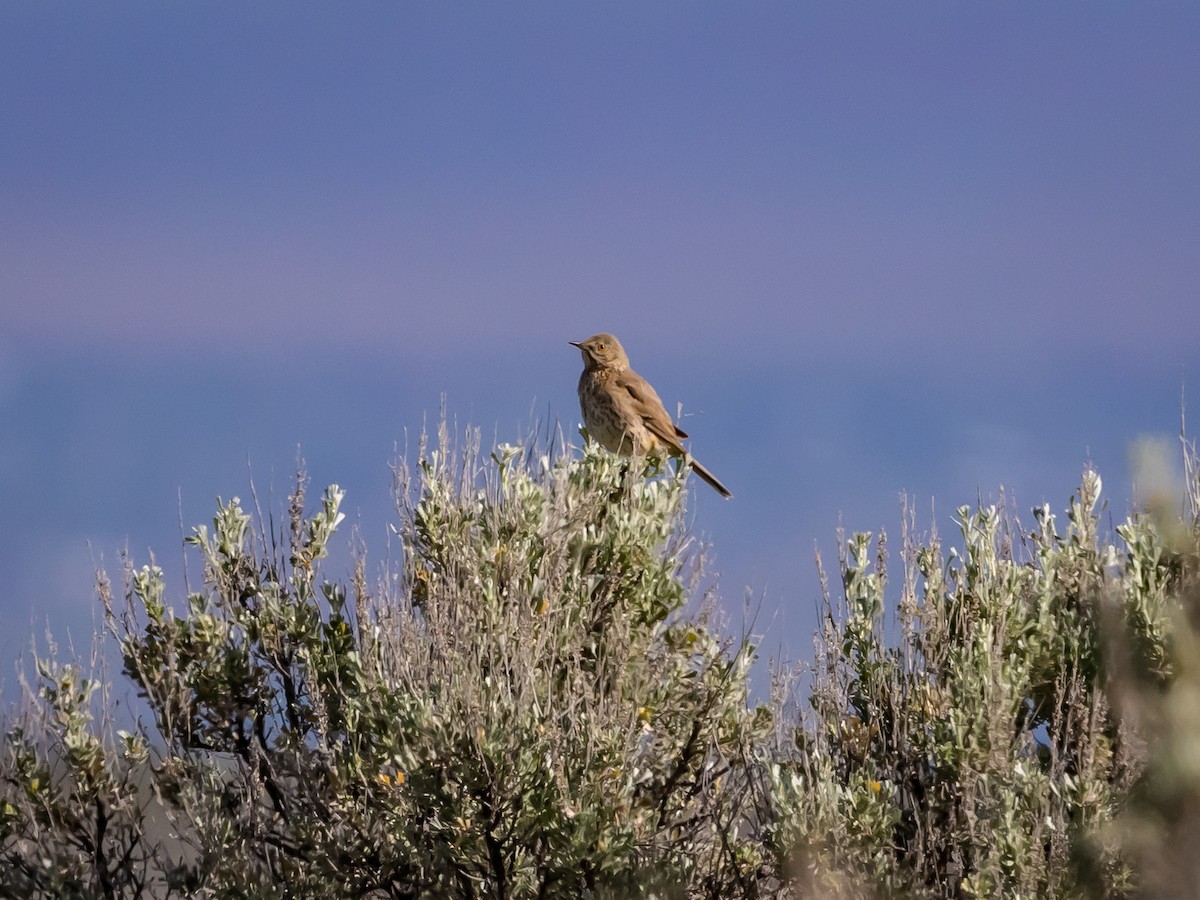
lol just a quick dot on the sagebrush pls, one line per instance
(530, 701)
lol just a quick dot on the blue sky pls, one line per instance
(871, 248)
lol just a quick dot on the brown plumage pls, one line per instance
(622, 411)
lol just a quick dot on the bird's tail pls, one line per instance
(709, 478)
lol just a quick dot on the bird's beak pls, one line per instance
(575, 344)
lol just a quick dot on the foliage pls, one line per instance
(524, 704)
(520, 709)
(982, 754)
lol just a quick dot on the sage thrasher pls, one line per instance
(621, 410)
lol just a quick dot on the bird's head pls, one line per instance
(602, 351)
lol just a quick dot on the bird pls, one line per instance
(623, 413)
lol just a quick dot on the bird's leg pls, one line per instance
(627, 480)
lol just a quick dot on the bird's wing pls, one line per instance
(651, 408)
